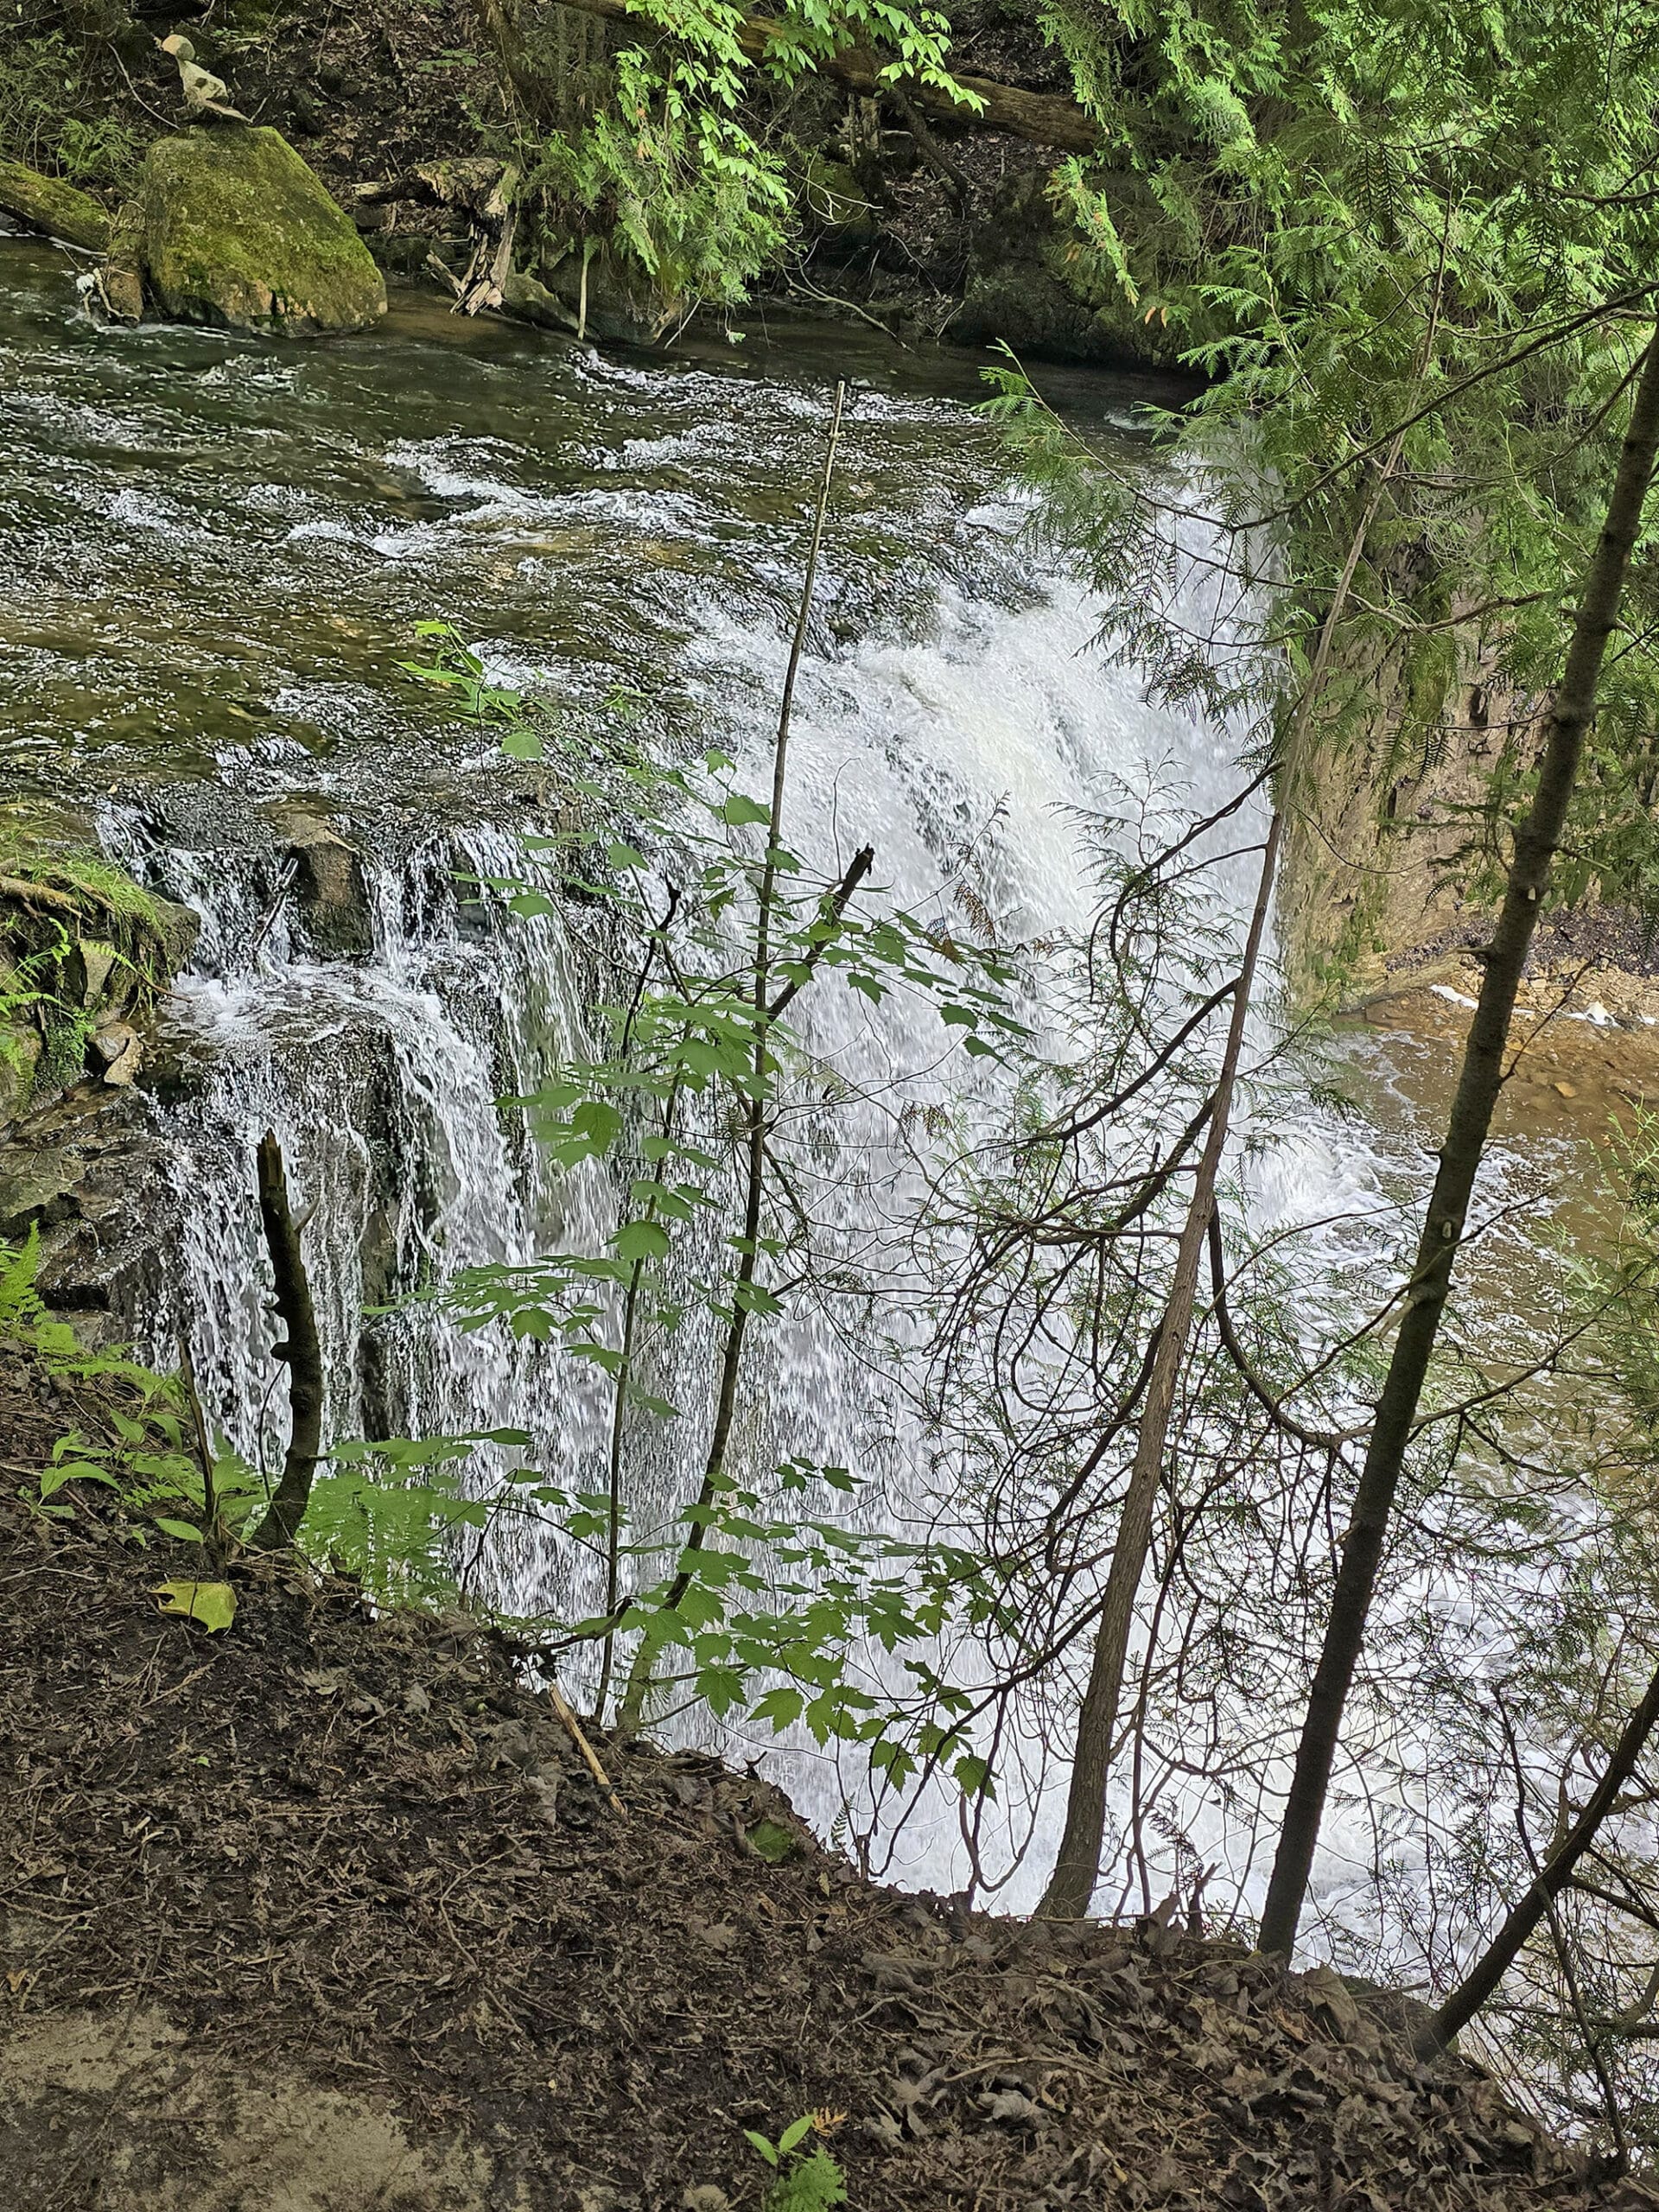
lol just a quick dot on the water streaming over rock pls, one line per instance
(968, 756)
(229, 549)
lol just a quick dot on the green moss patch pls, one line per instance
(80, 943)
(47, 203)
(239, 233)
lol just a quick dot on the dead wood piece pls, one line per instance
(556, 1699)
(38, 894)
(929, 148)
(478, 187)
(301, 1352)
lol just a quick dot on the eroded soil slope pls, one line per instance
(324, 1912)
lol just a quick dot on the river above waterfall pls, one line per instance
(216, 556)
(218, 550)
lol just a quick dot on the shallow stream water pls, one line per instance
(214, 556)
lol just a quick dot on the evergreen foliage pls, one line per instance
(1373, 223)
(663, 153)
(58, 87)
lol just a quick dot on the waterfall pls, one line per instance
(220, 551)
(954, 713)
(965, 748)
(380, 1079)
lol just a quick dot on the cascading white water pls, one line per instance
(606, 529)
(380, 1079)
(967, 757)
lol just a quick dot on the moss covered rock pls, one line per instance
(82, 949)
(121, 279)
(239, 232)
(834, 208)
(47, 203)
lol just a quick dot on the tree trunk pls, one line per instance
(1495, 1961)
(1465, 1140)
(1077, 1869)
(299, 1350)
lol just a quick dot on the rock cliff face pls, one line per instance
(84, 955)
(1388, 866)
(1378, 867)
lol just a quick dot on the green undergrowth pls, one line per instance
(806, 2178)
(130, 1429)
(139, 1439)
(391, 1517)
(59, 86)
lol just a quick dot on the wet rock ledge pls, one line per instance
(85, 956)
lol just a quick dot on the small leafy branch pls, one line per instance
(685, 1114)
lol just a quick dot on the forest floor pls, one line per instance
(325, 1911)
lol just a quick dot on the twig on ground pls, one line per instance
(556, 1698)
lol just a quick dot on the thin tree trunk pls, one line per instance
(1483, 1978)
(614, 1529)
(299, 1352)
(754, 1163)
(1076, 1870)
(1460, 1156)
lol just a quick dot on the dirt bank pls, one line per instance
(323, 1912)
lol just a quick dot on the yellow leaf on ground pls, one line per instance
(213, 1604)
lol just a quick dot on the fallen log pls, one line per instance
(47, 203)
(470, 184)
(1046, 118)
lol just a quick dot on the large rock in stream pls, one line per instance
(237, 232)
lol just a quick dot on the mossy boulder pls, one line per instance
(47, 203)
(834, 208)
(239, 233)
